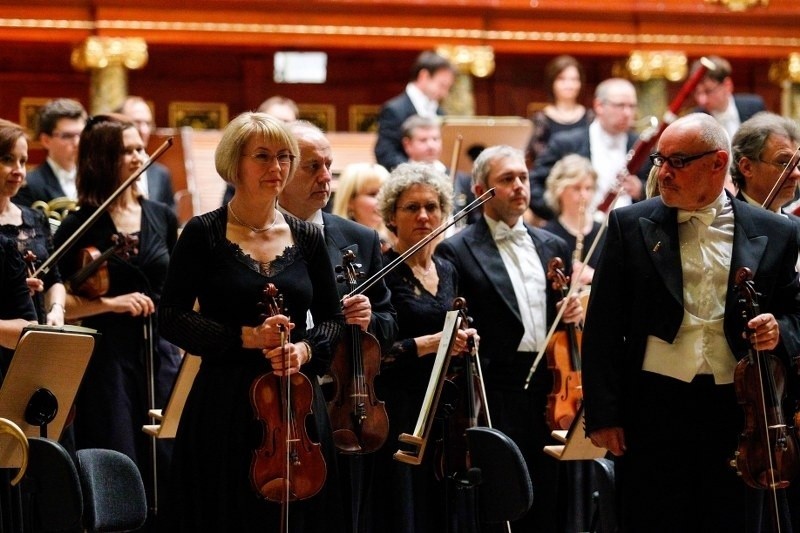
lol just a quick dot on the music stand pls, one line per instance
(49, 362)
(481, 132)
(576, 446)
(170, 416)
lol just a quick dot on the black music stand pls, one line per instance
(481, 132)
(169, 417)
(42, 382)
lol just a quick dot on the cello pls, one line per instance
(564, 359)
(358, 418)
(287, 466)
(766, 456)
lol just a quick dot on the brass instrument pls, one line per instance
(56, 210)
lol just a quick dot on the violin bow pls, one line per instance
(45, 267)
(572, 290)
(790, 166)
(377, 276)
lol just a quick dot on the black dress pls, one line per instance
(545, 127)
(34, 235)
(218, 433)
(112, 404)
(15, 302)
(554, 226)
(409, 499)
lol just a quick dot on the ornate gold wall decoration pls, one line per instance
(739, 5)
(643, 65)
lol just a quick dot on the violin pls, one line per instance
(564, 359)
(358, 418)
(287, 466)
(30, 262)
(471, 409)
(92, 278)
(766, 457)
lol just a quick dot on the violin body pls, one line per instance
(358, 418)
(287, 465)
(96, 283)
(92, 279)
(766, 457)
(563, 358)
(306, 465)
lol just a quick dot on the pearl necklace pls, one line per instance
(253, 228)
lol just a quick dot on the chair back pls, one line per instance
(113, 492)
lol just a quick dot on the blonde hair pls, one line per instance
(239, 131)
(567, 172)
(352, 181)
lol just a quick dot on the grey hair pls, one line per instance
(405, 176)
(480, 169)
(753, 134)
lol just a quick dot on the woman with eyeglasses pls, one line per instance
(414, 201)
(214, 306)
(119, 298)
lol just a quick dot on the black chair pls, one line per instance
(51, 490)
(113, 492)
(505, 488)
(605, 519)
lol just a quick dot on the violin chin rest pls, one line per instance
(346, 441)
(505, 491)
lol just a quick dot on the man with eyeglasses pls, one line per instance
(664, 332)
(762, 149)
(606, 142)
(714, 95)
(304, 196)
(58, 129)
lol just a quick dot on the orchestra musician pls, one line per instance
(304, 196)
(223, 261)
(16, 307)
(357, 198)
(414, 201)
(501, 264)
(28, 228)
(664, 333)
(606, 142)
(119, 300)
(569, 193)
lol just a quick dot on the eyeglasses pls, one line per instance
(266, 158)
(65, 135)
(431, 208)
(621, 105)
(778, 164)
(676, 161)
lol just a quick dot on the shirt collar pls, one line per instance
(425, 106)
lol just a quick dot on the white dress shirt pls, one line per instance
(66, 179)
(527, 275)
(425, 106)
(700, 346)
(609, 155)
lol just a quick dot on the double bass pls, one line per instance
(766, 457)
(358, 418)
(564, 359)
(287, 466)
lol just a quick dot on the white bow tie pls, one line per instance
(705, 215)
(516, 234)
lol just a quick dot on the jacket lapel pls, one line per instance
(660, 233)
